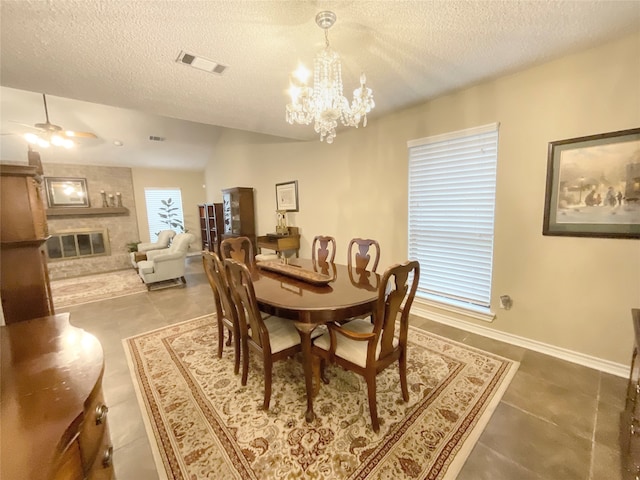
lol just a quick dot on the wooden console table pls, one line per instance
(281, 243)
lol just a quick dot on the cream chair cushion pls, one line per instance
(282, 333)
(352, 350)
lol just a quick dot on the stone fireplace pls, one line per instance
(99, 235)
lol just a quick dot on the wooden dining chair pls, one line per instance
(274, 338)
(238, 248)
(226, 313)
(366, 348)
(361, 252)
(323, 249)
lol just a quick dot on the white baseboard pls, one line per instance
(607, 366)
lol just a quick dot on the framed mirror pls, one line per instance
(66, 192)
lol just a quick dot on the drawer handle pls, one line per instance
(107, 458)
(101, 414)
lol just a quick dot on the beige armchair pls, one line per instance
(164, 238)
(166, 264)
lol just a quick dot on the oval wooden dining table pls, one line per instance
(347, 294)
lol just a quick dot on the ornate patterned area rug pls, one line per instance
(203, 424)
(67, 292)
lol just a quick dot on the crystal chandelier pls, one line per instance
(324, 103)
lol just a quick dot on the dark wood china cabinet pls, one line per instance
(238, 213)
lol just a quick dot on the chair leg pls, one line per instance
(268, 364)
(402, 363)
(230, 338)
(323, 371)
(220, 337)
(245, 361)
(373, 407)
(236, 350)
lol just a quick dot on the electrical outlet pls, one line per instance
(505, 302)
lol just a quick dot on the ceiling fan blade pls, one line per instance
(70, 133)
(33, 127)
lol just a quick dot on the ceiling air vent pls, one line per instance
(156, 139)
(200, 63)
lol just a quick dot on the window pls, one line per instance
(452, 184)
(164, 210)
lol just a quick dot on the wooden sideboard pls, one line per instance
(54, 420)
(280, 243)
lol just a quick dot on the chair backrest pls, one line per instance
(237, 248)
(214, 268)
(181, 242)
(164, 237)
(244, 296)
(395, 288)
(323, 249)
(360, 254)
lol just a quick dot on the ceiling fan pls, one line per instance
(51, 134)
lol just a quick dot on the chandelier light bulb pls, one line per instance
(324, 103)
(302, 74)
(294, 92)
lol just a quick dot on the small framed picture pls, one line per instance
(287, 196)
(593, 186)
(66, 192)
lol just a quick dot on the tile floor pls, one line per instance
(557, 420)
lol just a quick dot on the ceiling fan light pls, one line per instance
(42, 143)
(57, 140)
(31, 138)
(67, 143)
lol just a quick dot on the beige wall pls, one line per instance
(571, 293)
(191, 184)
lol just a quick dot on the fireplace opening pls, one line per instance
(77, 243)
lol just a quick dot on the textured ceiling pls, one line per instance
(122, 54)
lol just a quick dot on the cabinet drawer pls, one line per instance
(93, 428)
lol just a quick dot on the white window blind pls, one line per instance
(164, 210)
(452, 183)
